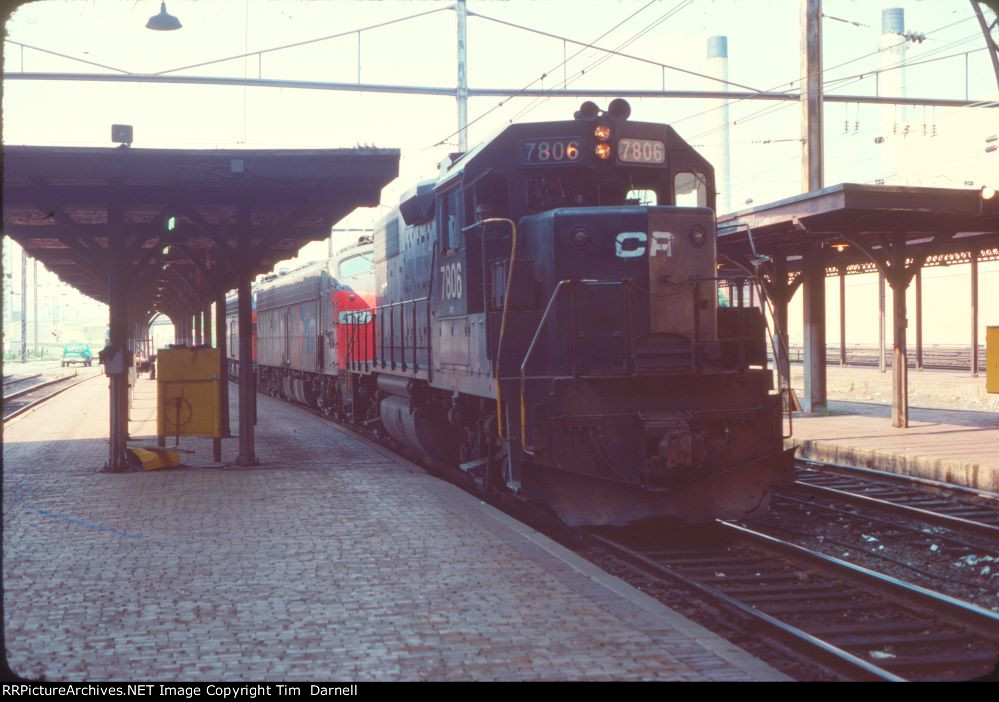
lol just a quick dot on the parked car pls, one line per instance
(76, 353)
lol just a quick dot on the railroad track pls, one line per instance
(944, 358)
(10, 381)
(19, 402)
(892, 526)
(952, 506)
(852, 621)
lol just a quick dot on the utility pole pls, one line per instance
(814, 269)
(812, 161)
(462, 12)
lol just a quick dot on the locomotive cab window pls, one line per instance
(691, 190)
(492, 198)
(647, 198)
(358, 272)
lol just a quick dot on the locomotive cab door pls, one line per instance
(450, 297)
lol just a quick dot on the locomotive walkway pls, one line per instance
(333, 559)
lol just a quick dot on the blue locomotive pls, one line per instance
(547, 319)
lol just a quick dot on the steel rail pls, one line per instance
(824, 652)
(31, 405)
(978, 619)
(902, 478)
(19, 393)
(16, 381)
(924, 515)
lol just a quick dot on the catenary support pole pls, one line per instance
(462, 92)
(812, 156)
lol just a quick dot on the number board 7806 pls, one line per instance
(553, 151)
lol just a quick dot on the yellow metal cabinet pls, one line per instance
(187, 393)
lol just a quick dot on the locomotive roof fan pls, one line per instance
(618, 109)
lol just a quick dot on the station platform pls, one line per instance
(333, 559)
(953, 433)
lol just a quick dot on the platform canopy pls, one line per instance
(852, 221)
(850, 228)
(66, 206)
(152, 231)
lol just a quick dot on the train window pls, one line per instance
(691, 190)
(449, 221)
(355, 266)
(647, 198)
(492, 198)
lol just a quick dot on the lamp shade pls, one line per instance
(164, 21)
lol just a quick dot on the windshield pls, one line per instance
(578, 188)
(358, 272)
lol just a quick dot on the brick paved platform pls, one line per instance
(950, 437)
(333, 559)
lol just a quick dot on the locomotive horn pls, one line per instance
(619, 108)
(588, 110)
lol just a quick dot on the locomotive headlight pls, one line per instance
(602, 132)
(580, 236)
(697, 235)
(603, 151)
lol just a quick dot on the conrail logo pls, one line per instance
(635, 244)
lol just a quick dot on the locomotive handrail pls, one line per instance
(575, 283)
(500, 424)
(402, 320)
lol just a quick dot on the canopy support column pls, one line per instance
(117, 366)
(814, 311)
(974, 313)
(919, 319)
(899, 280)
(882, 363)
(842, 316)
(247, 387)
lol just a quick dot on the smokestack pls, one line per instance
(720, 157)
(891, 83)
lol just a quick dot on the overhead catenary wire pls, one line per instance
(545, 74)
(579, 74)
(828, 86)
(800, 78)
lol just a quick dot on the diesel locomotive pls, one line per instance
(545, 317)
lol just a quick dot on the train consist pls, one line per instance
(545, 317)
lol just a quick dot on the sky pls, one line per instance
(763, 51)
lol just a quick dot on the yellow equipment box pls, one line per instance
(992, 359)
(187, 393)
